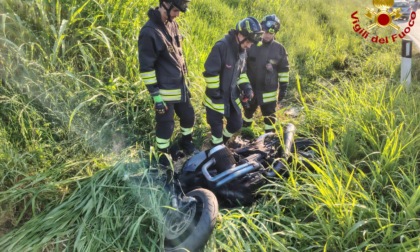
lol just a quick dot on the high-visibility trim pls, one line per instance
(268, 127)
(226, 133)
(270, 97)
(213, 85)
(162, 143)
(250, 120)
(170, 94)
(216, 140)
(284, 77)
(214, 106)
(212, 82)
(171, 98)
(238, 102)
(243, 78)
(149, 78)
(186, 131)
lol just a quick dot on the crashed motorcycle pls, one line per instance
(229, 177)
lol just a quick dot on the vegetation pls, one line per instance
(76, 124)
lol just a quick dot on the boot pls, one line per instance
(164, 158)
(187, 144)
(169, 183)
(225, 139)
(161, 167)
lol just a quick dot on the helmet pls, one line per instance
(270, 23)
(182, 5)
(250, 28)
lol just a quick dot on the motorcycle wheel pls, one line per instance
(189, 229)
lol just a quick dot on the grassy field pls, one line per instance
(76, 122)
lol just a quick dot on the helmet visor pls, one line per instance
(255, 37)
(182, 5)
(271, 26)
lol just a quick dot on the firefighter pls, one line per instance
(163, 71)
(268, 72)
(226, 79)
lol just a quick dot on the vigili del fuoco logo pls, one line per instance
(382, 16)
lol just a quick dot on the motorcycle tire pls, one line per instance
(189, 229)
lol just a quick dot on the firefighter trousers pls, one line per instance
(268, 111)
(215, 120)
(165, 123)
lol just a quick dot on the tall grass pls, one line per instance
(76, 119)
(107, 202)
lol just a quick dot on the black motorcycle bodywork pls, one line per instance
(235, 175)
(227, 177)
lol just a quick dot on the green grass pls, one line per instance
(77, 125)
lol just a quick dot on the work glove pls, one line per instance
(160, 105)
(247, 94)
(282, 93)
(280, 100)
(280, 97)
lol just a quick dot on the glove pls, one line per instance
(247, 94)
(160, 105)
(282, 92)
(280, 97)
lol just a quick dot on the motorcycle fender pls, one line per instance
(195, 162)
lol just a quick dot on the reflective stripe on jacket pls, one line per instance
(162, 64)
(225, 75)
(267, 67)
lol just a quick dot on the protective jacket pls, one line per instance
(162, 64)
(268, 71)
(225, 75)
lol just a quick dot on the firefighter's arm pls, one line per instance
(213, 67)
(148, 54)
(244, 85)
(283, 76)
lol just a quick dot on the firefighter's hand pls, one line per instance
(161, 108)
(281, 103)
(280, 100)
(160, 105)
(247, 94)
